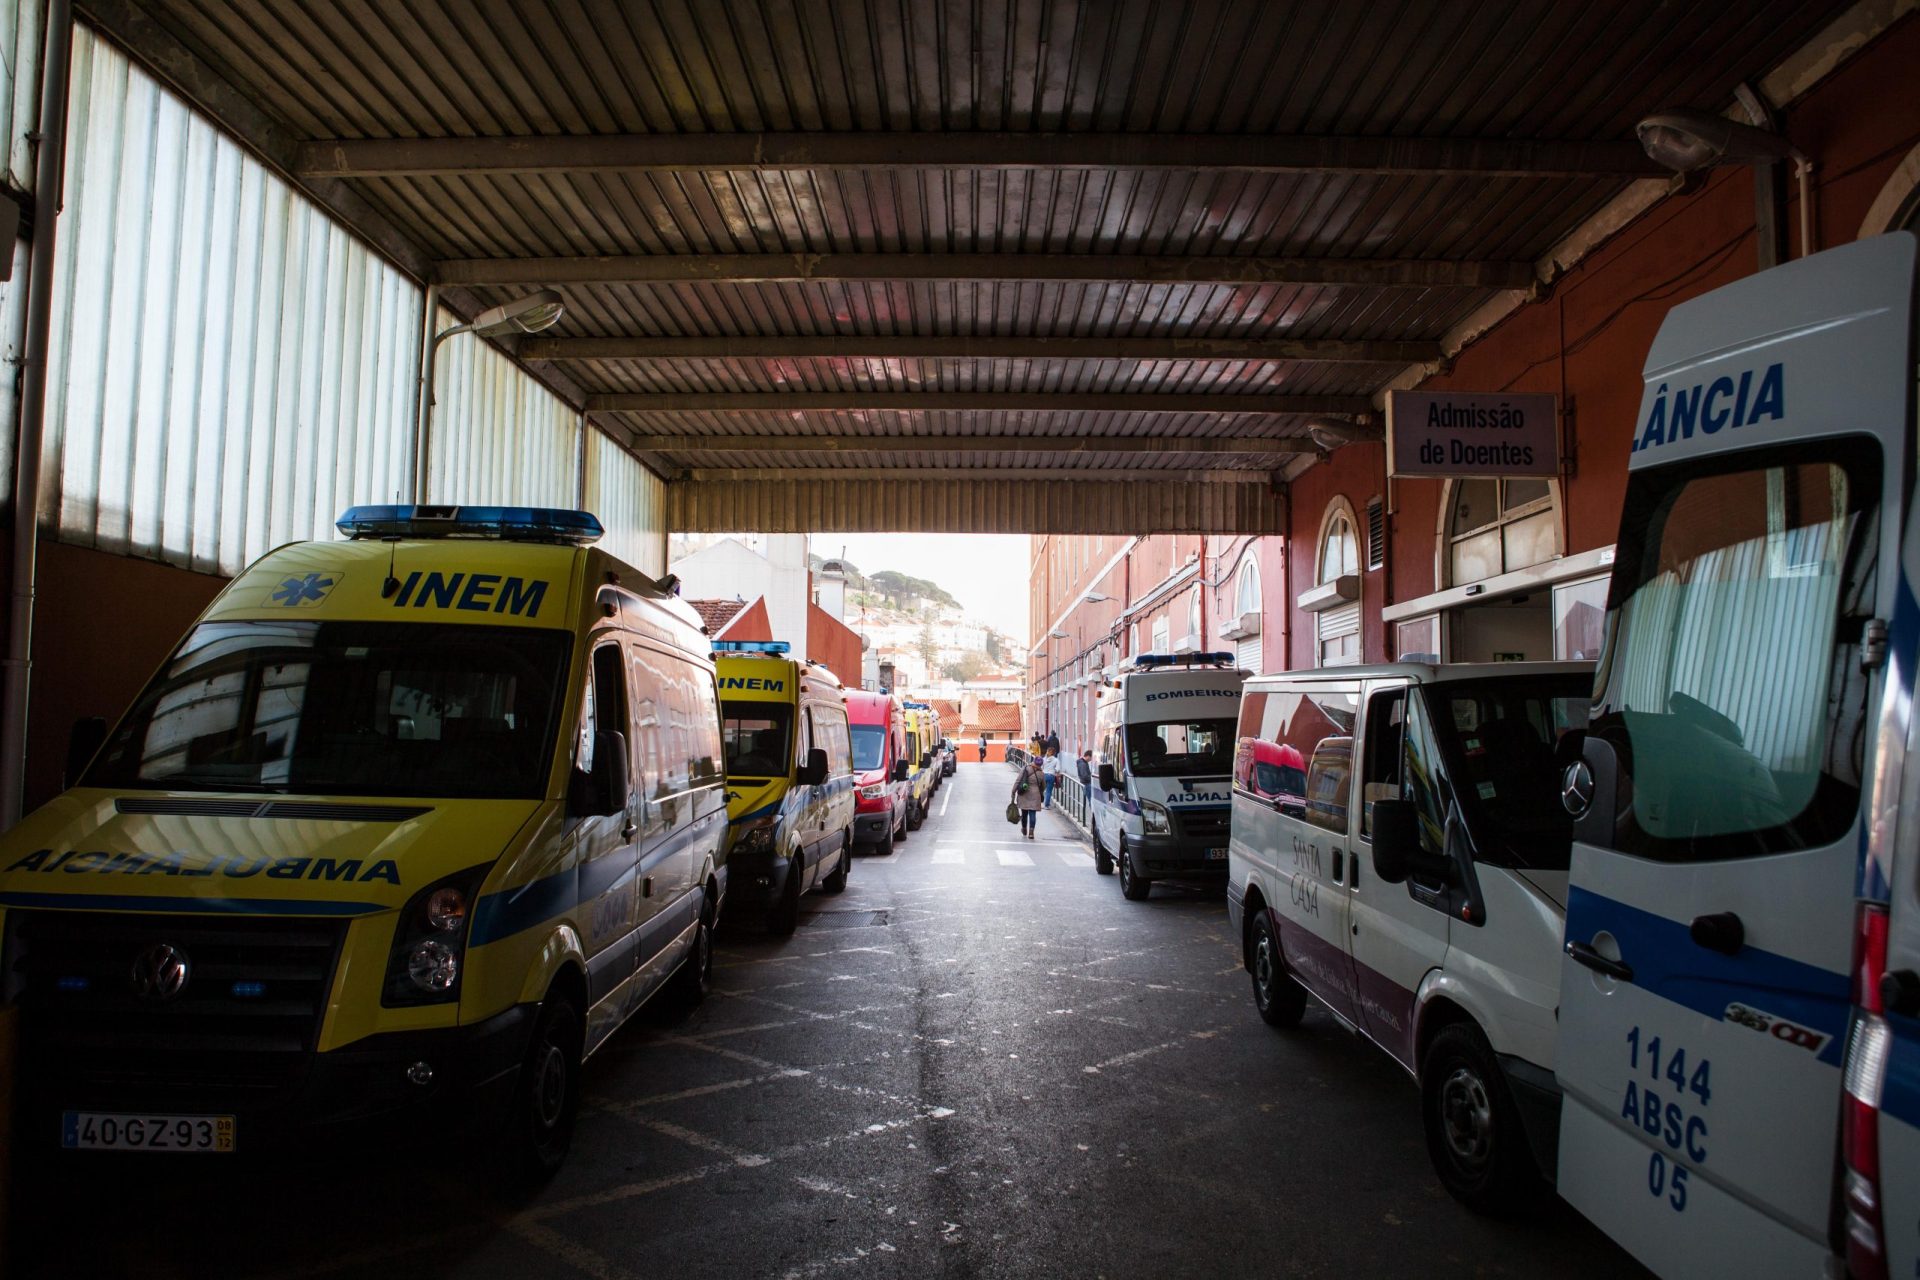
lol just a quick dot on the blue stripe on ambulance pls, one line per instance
(1667, 963)
(509, 911)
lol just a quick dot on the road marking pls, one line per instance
(949, 856)
(945, 803)
(1073, 857)
(1014, 858)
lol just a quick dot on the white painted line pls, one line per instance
(1073, 857)
(1014, 858)
(1043, 840)
(945, 803)
(949, 856)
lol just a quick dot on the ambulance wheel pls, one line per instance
(1474, 1135)
(837, 882)
(1133, 887)
(694, 978)
(916, 814)
(785, 914)
(900, 832)
(547, 1099)
(1102, 860)
(1282, 1001)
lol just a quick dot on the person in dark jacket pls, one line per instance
(1084, 767)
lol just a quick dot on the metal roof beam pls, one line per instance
(781, 268)
(970, 402)
(709, 152)
(951, 347)
(1252, 446)
(1160, 475)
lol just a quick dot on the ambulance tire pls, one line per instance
(1281, 1000)
(837, 882)
(916, 814)
(1102, 860)
(694, 978)
(546, 1100)
(1133, 886)
(1474, 1133)
(784, 915)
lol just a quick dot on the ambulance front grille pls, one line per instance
(1206, 824)
(247, 1017)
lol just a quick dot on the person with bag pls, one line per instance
(1025, 805)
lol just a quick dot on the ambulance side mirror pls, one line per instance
(604, 790)
(83, 743)
(1396, 839)
(899, 770)
(1107, 780)
(814, 771)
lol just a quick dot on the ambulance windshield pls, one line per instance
(757, 739)
(1173, 747)
(347, 709)
(1731, 686)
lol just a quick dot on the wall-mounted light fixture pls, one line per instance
(1689, 141)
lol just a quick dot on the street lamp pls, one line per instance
(1688, 141)
(1096, 597)
(530, 314)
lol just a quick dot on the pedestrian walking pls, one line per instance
(1027, 796)
(983, 748)
(1084, 767)
(1053, 742)
(1049, 776)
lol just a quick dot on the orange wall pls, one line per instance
(749, 624)
(833, 643)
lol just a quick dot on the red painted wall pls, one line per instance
(749, 624)
(833, 643)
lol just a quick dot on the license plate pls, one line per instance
(133, 1131)
(1216, 855)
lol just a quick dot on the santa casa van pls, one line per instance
(405, 827)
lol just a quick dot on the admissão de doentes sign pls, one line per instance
(1446, 433)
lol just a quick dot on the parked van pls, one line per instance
(789, 779)
(923, 773)
(879, 769)
(1165, 732)
(402, 831)
(1413, 882)
(1722, 925)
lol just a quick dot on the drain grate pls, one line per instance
(846, 919)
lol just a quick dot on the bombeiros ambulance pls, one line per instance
(404, 829)
(1164, 735)
(790, 779)
(923, 773)
(1722, 924)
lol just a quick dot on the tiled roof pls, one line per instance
(997, 717)
(717, 613)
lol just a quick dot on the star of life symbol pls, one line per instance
(308, 589)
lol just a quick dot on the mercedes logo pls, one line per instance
(161, 972)
(1576, 788)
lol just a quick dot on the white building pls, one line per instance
(745, 566)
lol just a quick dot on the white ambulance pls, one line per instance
(1164, 734)
(1721, 921)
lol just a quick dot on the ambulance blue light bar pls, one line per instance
(918, 706)
(1216, 659)
(507, 524)
(751, 646)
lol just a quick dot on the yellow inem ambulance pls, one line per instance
(404, 829)
(790, 779)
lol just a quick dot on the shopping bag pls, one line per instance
(1013, 812)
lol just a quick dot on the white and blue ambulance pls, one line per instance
(1164, 733)
(1743, 871)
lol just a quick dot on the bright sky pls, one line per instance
(985, 572)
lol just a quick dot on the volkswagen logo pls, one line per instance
(161, 972)
(1576, 788)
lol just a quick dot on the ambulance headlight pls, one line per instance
(753, 837)
(433, 966)
(430, 942)
(1154, 818)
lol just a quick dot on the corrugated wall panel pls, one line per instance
(22, 28)
(229, 368)
(631, 502)
(1001, 506)
(498, 436)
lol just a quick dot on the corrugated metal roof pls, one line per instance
(1494, 73)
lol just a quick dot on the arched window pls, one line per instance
(1498, 526)
(1337, 622)
(1246, 595)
